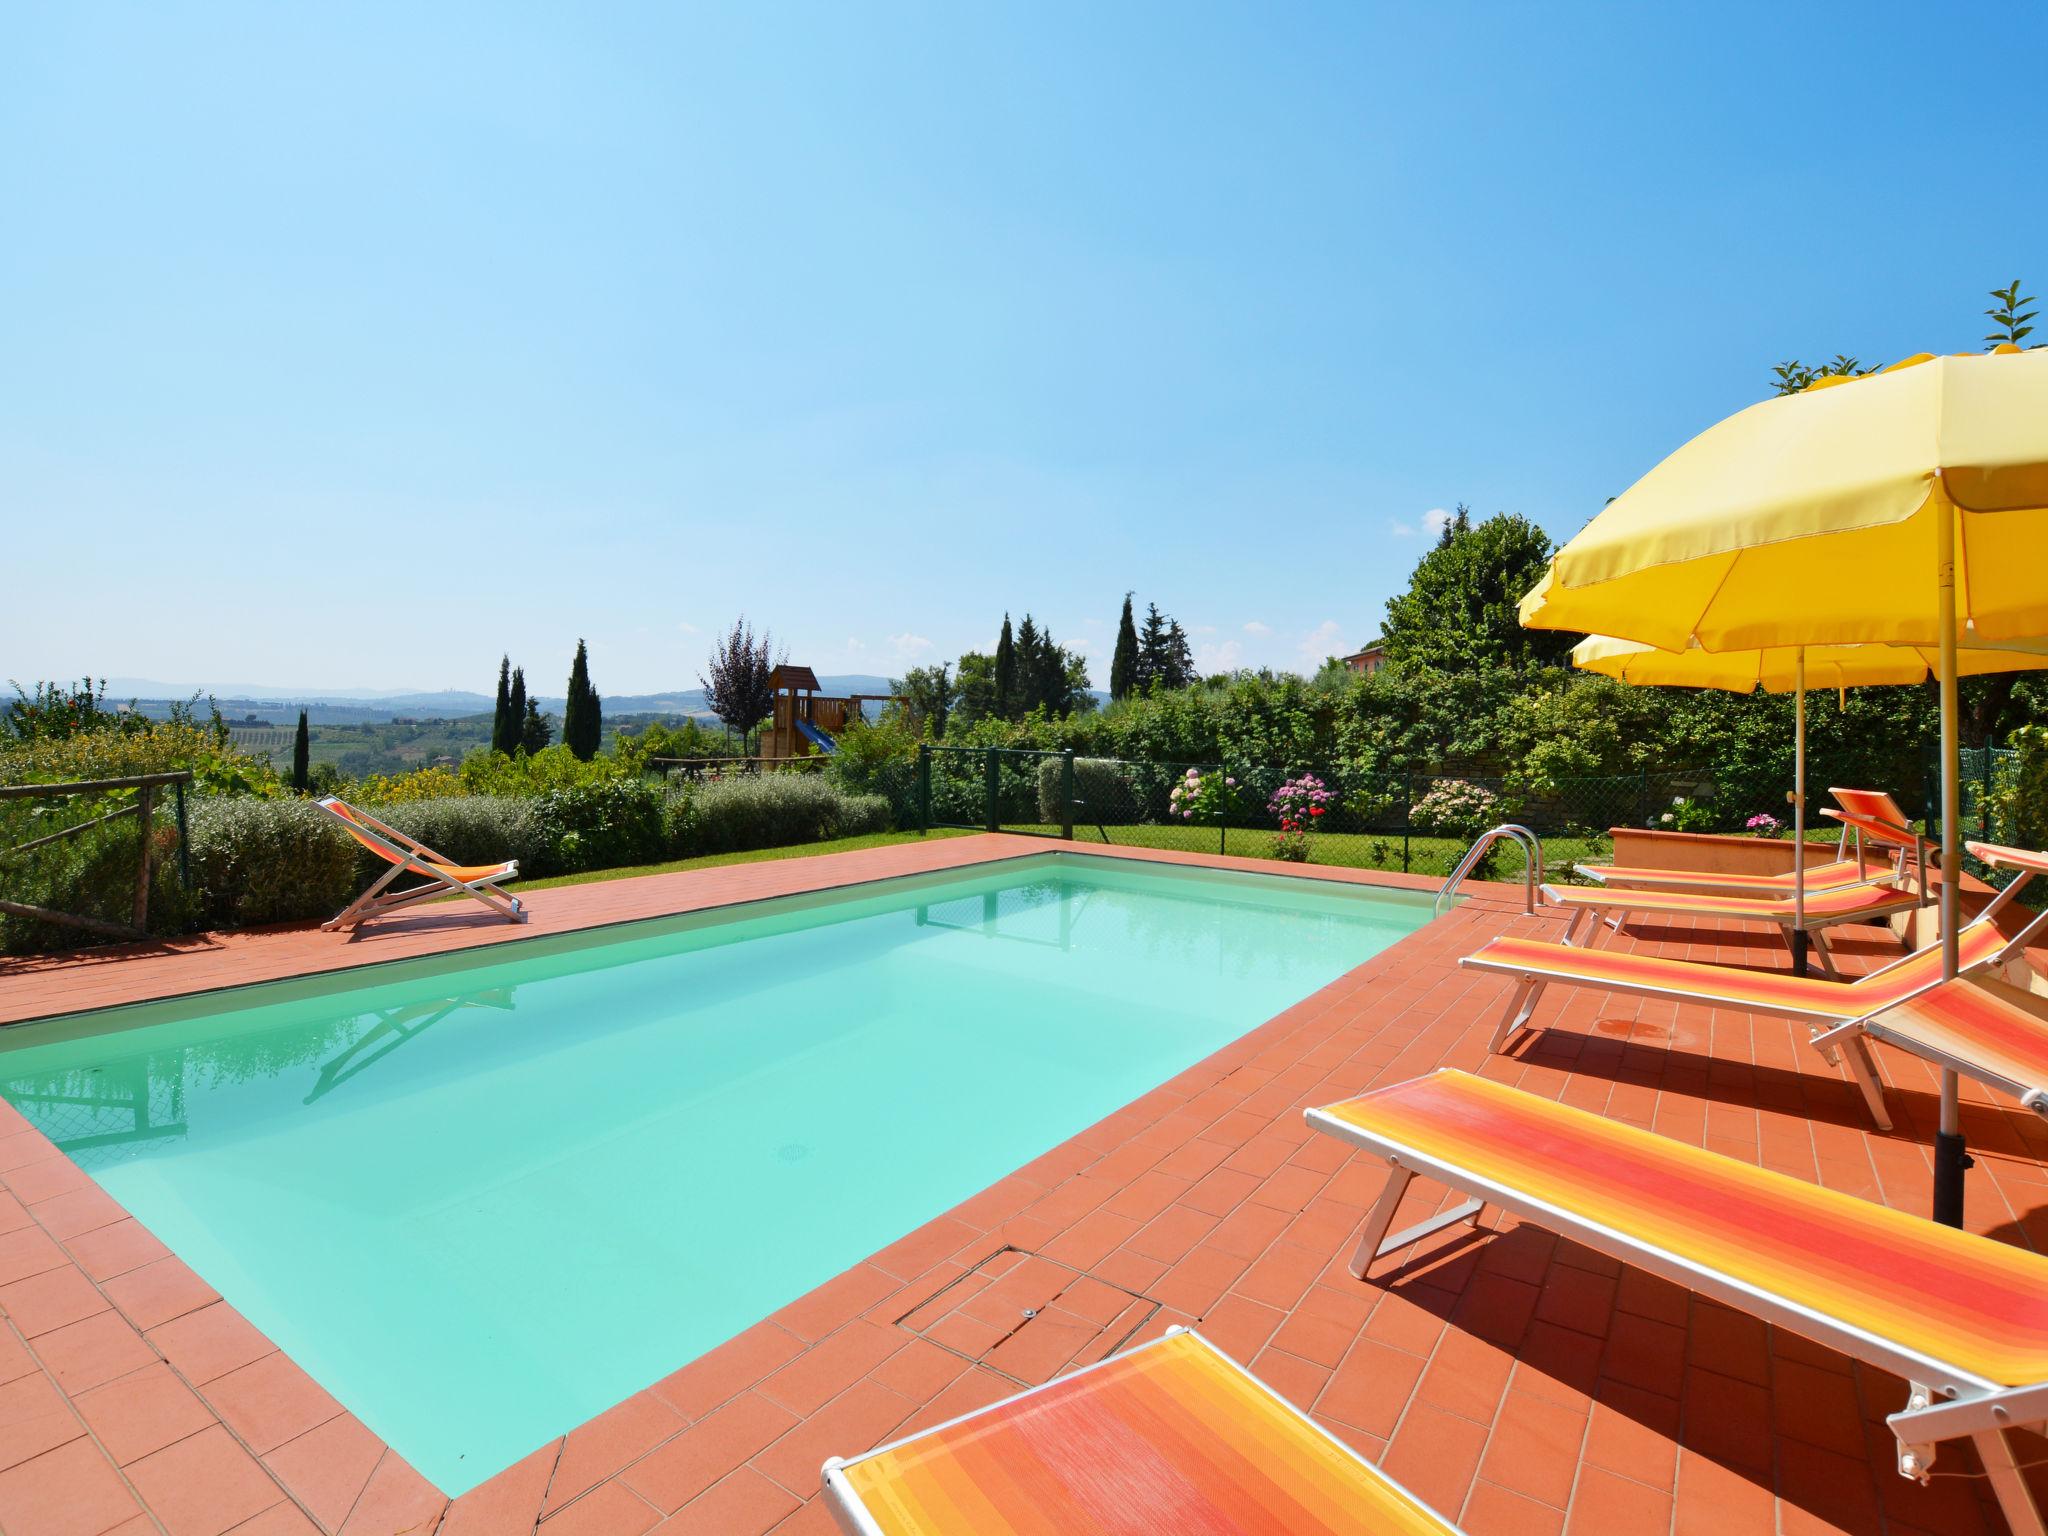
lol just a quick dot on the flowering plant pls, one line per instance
(1764, 824)
(1199, 796)
(1687, 816)
(1298, 805)
(1456, 808)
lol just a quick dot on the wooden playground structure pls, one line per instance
(805, 721)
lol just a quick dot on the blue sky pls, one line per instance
(355, 345)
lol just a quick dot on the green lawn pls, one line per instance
(713, 860)
(1432, 856)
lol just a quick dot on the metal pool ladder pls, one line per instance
(1532, 863)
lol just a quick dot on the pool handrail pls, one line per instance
(1532, 862)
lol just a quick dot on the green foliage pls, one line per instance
(1458, 809)
(927, 694)
(1005, 673)
(2026, 803)
(1101, 789)
(2010, 318)
(137, 746)
(472, 829)
(583, 713)
(302, 753)
(1123, 665)
(57, 711)
(504, 723)
(770, 810)
(270, 861)
(1790, 377)
(602, 824)
(879, 759)
(536, 773)
(404, 788)
(635, 749)
(89, 874)
(974, 690)
(1458, 614)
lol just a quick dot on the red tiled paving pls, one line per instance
(1520, 1382)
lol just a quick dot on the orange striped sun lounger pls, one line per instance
(1170, 1437)
(409, 856)
(1869, 902)
(1873, 815)
(1963, 1318)
(1978, 1025)
(1641, 877)
(1826, 1005)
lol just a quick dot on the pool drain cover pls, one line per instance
(1028, 1317)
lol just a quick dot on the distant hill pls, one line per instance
(353, 706)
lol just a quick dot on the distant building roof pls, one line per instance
(793, 678)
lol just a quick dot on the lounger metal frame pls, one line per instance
(854, 1520)
(408, 855)
(1836, 1035)
(1973, 1406)
(1589, 905)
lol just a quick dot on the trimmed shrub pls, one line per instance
(271, 861)
(91, 874)
(1099, 786)
(471, 829)
(606, 825)
(773, 810)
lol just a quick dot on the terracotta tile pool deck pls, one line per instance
(1520, 1383)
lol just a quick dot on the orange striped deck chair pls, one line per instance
(1978, 1025)
(1962, 1318)
(1873, 815)
(1867, 902)
(1836, 1011)
(409, 856)
(1836, 872)
(1170, 1437)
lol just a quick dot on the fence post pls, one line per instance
(144, 807)
(1066, 797)
(1984, 799)
(924, 789)
(990, 790)
(184, 841)
(1407, 803)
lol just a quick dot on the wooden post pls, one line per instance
(144, 804)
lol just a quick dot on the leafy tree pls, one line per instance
(533, 729)
(505, 723)
(1152, 646)
(974, 690)
(735, 682)
(515, 712)
(302, 755)
(1006, 674)
(1123, 665)
(1457, 524)
(928, 694)
(583, 713)
(1022, 695)
(1458, 614)
(1178, 666)
(2011, 325)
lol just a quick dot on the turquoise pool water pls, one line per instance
(482, 1198)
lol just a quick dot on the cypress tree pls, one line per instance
(505, 724)
(582, 715)
(516, 711)
(1123, 665)
(1006, 672)
(302, 755)
(1152, 650)
(1024, 674)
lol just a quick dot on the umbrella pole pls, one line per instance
(1799, 938)
(1950, 1159)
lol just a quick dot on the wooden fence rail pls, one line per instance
(142, 808)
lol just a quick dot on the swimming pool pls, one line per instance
(483, 1197)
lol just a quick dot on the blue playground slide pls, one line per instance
(816, 737)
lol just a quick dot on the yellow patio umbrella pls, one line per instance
(1894, 507)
